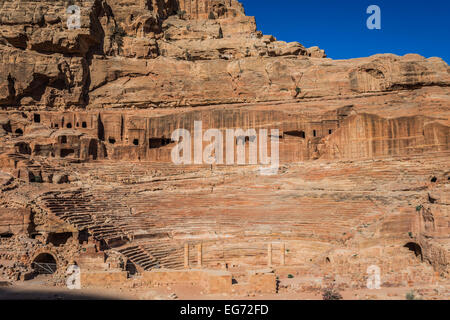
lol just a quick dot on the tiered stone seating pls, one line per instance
(168, 254)
(172, 206)
(139, 257)
(81, 210)
(154, 255)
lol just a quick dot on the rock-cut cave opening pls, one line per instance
(44, 263)
(414, 247)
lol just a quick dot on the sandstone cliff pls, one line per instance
(164, 54)
(85, 144)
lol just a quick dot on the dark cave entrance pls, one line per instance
(93, 149)
(58, 239)
(23, 148)
(44, 263)
(131, 268)
(154, 143)
(295, 133)
(83, 236)
(6, 235)
(414, 247)
(37, 118)
(65, 152)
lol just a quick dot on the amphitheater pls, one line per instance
(87, 176)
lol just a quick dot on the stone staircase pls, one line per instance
(154, 255)
(110, 221)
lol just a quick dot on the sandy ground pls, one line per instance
(38, 289)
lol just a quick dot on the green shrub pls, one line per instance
(410, 296)
(331, 293)
(187, 55)
(181, 13)
(290, 276)
(117, 34)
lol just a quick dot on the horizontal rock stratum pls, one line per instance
(86, 174)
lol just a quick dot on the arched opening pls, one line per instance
(295, 133)
(84, 124)
(414, 247)
(63, 139)
(93, 149)
(314, 133)
(330, 131)
(433, 179)
(136, 142)
(131, 268)
(37, 118)
(69, 125)
(19, 132)
(111, 140)
(44, 263)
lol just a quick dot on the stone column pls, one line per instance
(196, 9)
(186, 255)
(200, 255)
(283, 254)
(269, 255)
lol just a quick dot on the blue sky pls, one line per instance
(339, 27)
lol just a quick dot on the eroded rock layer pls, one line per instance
(87, 173)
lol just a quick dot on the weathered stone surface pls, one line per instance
(14, 220)
(34, 79)
(168, 82)
(85, 153)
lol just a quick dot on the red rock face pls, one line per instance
(85, 149)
